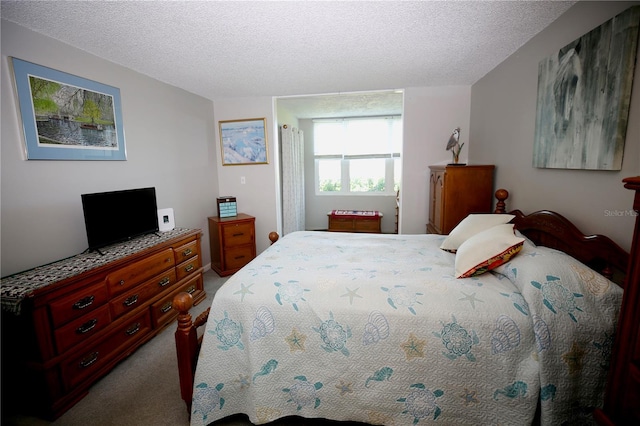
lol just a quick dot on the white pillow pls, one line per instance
(487, 250)
(470, 226)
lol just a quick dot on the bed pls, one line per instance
(377, 328)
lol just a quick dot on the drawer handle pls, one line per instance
(93, 357)
(133, 329)
(166, 308)
(84, 302)
(191, 289)
(132, 300)
(163, 282)
(189, 267)
(240, 257)
(239, 234)
(87, 326)
(121, 282)
(187, 252)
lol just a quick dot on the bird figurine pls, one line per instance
(454, 144)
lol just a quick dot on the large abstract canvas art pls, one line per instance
(584, 93)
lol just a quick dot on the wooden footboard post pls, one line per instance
(186, 346)
(501, 195)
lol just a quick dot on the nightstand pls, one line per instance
(233, 242)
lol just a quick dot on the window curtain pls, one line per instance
(293, 212)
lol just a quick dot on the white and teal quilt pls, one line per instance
(375, 328)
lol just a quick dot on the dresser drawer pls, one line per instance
(188, 267)
(162, 312)
(236, 234)
(77, 304)
(95, 357)
(82, 328)
(134, 298)
(186, 251)
(237, 257)
(140, 271)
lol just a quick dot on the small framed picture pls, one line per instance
(66, 117)
(243, 142)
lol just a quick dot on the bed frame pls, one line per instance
(544, 227)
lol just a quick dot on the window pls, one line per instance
(357, 155)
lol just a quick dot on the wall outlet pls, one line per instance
(242, 180)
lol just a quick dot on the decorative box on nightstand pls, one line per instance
(233, 242)
(227, 206)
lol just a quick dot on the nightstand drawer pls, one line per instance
(237, 234)
(237, 257)
(233, 242)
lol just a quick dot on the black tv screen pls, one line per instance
(112, 217)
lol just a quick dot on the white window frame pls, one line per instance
(345, 178)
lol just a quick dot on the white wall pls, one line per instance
(503, 111)
(430, 115)
(170, 141)
(257, 196)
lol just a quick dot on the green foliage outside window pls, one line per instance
(328, 185)
(357, 185)
(367, 185)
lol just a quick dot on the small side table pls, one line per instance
(355, 221)
(232, 241)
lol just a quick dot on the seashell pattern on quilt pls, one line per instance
(375, 328)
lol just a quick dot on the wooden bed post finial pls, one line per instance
(273, 237)
(501, 195)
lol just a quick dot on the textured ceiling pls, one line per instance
(221, 49)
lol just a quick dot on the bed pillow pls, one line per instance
(470, 226)
(487, 250)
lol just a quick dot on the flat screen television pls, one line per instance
(116, 216)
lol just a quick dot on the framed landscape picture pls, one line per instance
(243, 141)
(66, 117)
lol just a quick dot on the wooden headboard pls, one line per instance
(551, 229)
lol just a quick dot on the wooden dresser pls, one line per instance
(622, 398)
(233, 242)
(455, 192)
(66, 324)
